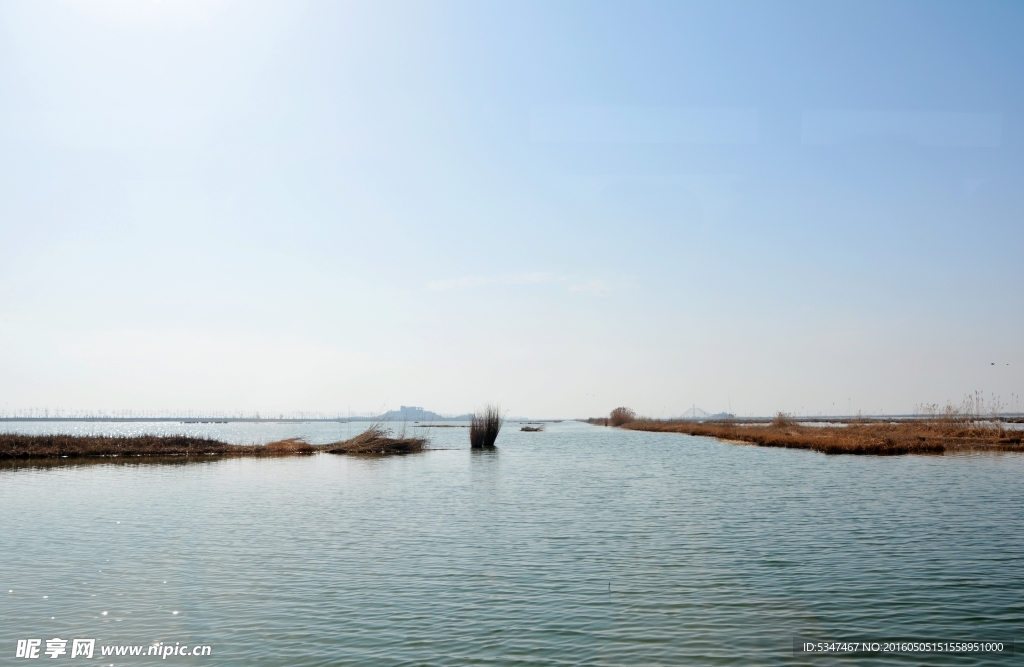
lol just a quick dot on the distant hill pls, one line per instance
(410, 413)
(697, 413)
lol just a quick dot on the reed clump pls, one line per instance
(485, 426)
(532, 429)
(377, 440)
(783, 419)
(621, 417)
(288, 447)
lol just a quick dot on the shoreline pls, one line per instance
(21, 447)
(934, 437)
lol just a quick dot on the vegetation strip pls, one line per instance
(947, 433)
(374, 441)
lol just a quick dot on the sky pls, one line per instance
(561, 207)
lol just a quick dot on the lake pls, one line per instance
(576, 545)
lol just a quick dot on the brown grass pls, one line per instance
(782, 420)
(621, 416)
(15, 446)
(376, 440)
(925, 436)
(289, 447)
(485, 426)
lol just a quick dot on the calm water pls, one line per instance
(715, 553)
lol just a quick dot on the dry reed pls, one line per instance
(18, 446)
(14, 446)
(377, 440)
(783, 419)
(621, 416)
(924, 436)
(484, 427)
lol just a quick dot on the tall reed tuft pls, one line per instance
(620, 416)
(484, 428)
(783, 419)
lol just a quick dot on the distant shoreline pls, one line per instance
(882, 438)
(198, 420)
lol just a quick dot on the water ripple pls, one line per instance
(577, 545)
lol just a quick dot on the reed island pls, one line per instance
(954, 429)
(375, 441)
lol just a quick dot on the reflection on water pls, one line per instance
(69, 461)
(576, 545)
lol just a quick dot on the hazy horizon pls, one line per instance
(559, 207)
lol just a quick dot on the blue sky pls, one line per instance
(561, 206)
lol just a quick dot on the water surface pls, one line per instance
(576, 545)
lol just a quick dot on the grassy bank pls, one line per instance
(934, 436)
(374, 441)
